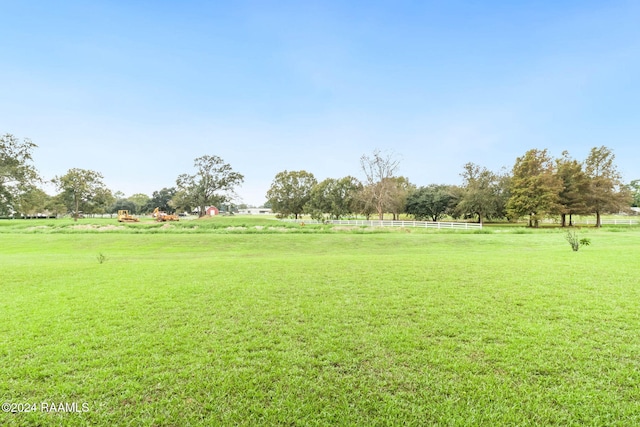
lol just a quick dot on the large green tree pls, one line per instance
(606, 191)
(575, 188)
(34, 201)
(401, 189)
(161, 199)
(335, 197)
(534, 187)
(482, 193)
(56, 205)
(102, 200)
(431, 202)
(17, 174)
(82, 190)
(122, 204)
(213, 183)
(290, 192)
(139, 201)
(364, 201)
(635, 192)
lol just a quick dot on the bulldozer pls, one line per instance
(123, 216)
(163, 216)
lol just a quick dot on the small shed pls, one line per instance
(212, 210)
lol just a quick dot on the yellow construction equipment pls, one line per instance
(123, 216)
(163, 216)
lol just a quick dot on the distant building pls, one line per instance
(44, 214)
(255, 211)
(208, 210)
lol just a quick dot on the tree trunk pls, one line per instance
(75, 214)
(570, 220)
(563, 220)
(598, 220)
(533, 221)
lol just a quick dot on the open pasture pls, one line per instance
(504, 327)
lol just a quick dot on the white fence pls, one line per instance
(420, 224)
(609, 222)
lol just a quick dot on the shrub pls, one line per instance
(575, 241)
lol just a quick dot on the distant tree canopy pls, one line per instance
(161, 199)
(606, 192)
(290, 192)
(123, 204)
(538, 186)
(399, 190)
(431, 202)
(575, 187)
(101, 202)
(635, 192)
(482, 193)
(83, 190)
(535, 187)
(541, 188)
(335, 197)
(140, 201)
(34, 201)
(213, 183)
(17, 174)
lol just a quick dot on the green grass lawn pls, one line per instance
(318, 327)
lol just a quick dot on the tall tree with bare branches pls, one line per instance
(379, 168)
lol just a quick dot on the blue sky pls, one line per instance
(138, 89)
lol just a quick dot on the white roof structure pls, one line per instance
(255, 211)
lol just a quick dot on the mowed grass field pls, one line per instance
(319, 327)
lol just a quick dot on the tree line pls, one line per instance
(537, 186)
(83, 191)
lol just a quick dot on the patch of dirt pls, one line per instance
(96, 227)
(280, 228)
(82, 227)
(112, 227)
